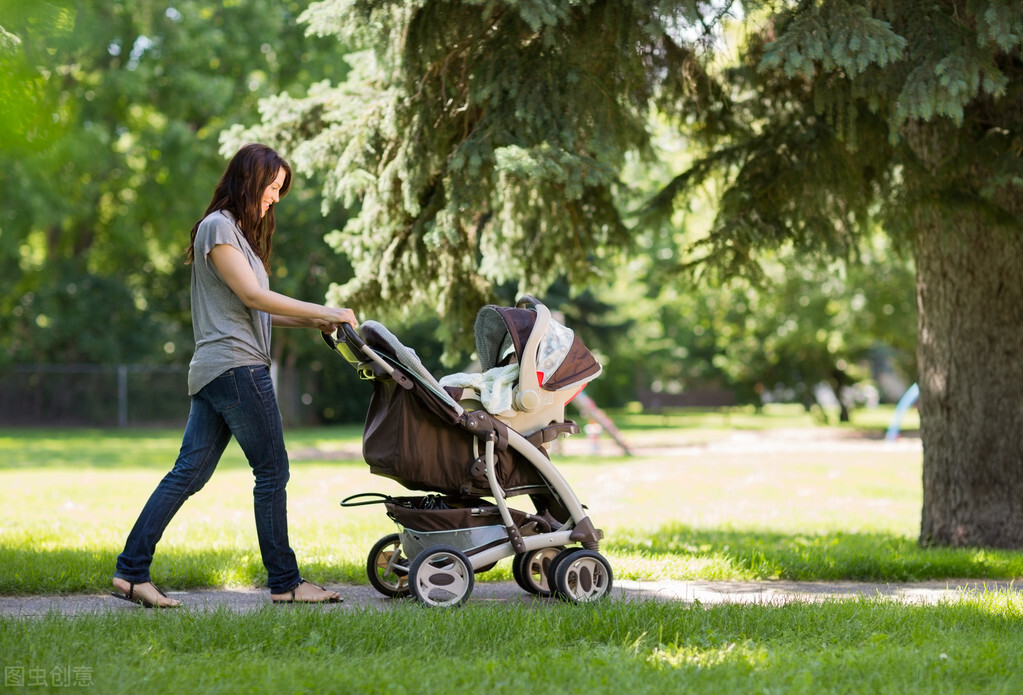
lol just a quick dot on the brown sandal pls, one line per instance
(331, 597)
(141, 600)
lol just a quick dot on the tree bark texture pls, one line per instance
(970, 356)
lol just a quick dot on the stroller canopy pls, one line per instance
(561, 359)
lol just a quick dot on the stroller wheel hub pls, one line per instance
(441, 576)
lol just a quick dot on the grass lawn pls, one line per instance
(860, 646)
(734, 504)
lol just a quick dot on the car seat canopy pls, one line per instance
(561, 358)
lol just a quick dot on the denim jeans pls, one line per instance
(240, 402)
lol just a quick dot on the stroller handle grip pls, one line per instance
(349, 344)
(352, 336)
(354, 349)
(349, 335)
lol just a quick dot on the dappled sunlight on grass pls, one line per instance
(68, 526)
(787, 490)
(681, 552)
(740, 508)
(860, 645)
(772, 416)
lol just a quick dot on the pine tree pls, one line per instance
(479, 143)
(909, 114)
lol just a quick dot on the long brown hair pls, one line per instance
(240, 192)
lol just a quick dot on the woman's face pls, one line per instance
(272, 193)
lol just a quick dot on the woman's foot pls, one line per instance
(144, 593)
(307, 593)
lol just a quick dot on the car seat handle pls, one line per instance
(528, 395)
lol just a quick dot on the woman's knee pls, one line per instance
(271, 478)
(189, 478)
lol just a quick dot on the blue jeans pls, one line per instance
(240, 402)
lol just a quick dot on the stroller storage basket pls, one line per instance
(410, 513)
(429, 521)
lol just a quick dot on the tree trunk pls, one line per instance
(970, 355)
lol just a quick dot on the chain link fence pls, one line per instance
(69, 395)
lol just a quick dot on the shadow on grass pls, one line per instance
(141, 448)
(752, 554)
(47, 571)
(700, 553)
(95, 448)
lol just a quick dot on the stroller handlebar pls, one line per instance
(349, 344)
(353, 348)
(349, 335)
(352, 336)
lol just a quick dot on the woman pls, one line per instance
(229, 377)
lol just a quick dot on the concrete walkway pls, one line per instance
(705, 593)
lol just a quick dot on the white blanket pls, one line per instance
(495, 386)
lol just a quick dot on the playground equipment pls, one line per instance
(907, 401)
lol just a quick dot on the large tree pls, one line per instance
(480, 141)
(911, 114)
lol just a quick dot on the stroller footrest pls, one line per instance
(552, 432)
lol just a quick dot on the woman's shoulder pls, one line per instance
(218, 226)
(219, 218)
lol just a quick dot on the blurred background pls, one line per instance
(111, 117)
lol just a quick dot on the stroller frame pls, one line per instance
(554, 555)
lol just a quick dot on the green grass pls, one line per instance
(715, 510)
(773, 416)
(731, 505)
(860, 646)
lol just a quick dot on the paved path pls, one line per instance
(685, 592)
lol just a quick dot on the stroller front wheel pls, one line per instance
(388, 568)
(582, 576)
(441, 576)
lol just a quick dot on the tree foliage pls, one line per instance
(485, 145)
(803, 324)
(478, 143)
(110, 152)
(832, 92)
(907, 114)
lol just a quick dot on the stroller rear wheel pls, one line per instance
(531, 570)
(388, 568)
(441, 576)
(582, 576)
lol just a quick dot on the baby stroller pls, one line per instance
(436, 437)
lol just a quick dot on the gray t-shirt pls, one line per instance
(227, 333)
